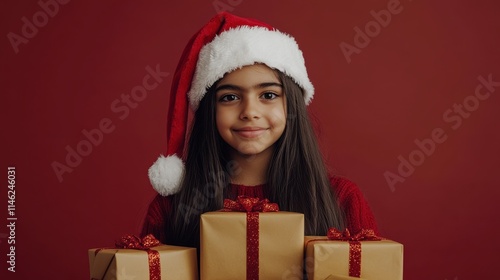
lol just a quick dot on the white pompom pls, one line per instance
(166, 174)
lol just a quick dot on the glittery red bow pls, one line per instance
(146, 243)
(130, 241)
(354, 246)
(249, 204)
(362, 235)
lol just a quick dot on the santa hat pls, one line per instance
(224, 44)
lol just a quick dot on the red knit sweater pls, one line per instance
(357, 212)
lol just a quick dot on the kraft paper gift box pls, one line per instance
(224, 253)
(337, 277)
(175, 262)
(330, 259)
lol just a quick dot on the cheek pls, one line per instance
(221, 120)
(219, 123)
(278, 117)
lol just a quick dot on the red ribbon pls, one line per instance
(146, 243)
(362, 235)
(251, 205)
(354, 246)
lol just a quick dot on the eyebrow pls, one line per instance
(260, 86)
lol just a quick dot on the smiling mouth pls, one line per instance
(250, 132)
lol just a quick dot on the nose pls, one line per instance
(250, 109)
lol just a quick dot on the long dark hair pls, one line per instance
(297, 178)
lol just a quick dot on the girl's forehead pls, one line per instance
(250, 74)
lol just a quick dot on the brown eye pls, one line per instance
(228, 98)
(269, 95)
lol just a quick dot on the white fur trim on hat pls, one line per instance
(166, 174)
(243, 46)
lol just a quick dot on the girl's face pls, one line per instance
(250, 109)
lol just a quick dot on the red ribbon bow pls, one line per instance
(130, 241)
(354, 246)
(362, 235)
(146, 243)
(249, 204)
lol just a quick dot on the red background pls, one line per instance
(368, 112)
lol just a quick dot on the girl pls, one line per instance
(251, 135)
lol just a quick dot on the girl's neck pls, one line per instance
(250, 170)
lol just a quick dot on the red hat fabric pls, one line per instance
(226, 43)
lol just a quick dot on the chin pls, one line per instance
(249, 153)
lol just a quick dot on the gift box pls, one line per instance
(353, 257)
(251, 245)
(146, 262)
(339, 277)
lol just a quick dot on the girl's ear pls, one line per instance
(166, 174)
